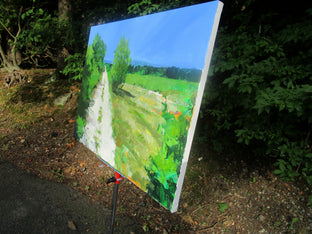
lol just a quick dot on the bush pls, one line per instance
(260, 93)
(74, 67)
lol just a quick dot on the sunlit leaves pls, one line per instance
(143, 8)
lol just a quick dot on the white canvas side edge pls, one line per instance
(199, 96)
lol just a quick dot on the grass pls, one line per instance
(138, 120)
(157, 83)
(180, 91)
(24, 104)
(134, 136)
(17, 114)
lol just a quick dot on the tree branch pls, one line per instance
(7, 29)
(15, 38)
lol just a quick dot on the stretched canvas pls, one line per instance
(142, 86)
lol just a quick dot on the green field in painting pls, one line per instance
(179, 91)
(153, 82)
(147, 114)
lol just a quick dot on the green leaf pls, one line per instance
(277, 172)
(309, 179)
(223, 207)
(230, 81)
(282, 166)
(294, 220)
(308, 155)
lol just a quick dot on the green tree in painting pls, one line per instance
(92, 73)
(164, 169)
(120, 64)
(99, 49)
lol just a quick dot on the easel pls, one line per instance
(117, 178)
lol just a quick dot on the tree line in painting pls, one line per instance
(163, 167)
(169, 72)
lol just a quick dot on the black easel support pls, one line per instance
(117, 180)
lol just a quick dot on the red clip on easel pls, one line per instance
(117, 178)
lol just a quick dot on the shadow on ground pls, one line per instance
(42, 86)
(32, 205)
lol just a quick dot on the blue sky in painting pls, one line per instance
(176, 37)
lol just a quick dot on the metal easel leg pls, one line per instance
(117, 180)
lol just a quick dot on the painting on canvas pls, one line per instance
(142, 86)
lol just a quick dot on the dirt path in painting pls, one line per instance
(98, 132)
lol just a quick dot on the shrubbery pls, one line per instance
(260, 91)
(74, 67)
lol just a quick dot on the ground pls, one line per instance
(33, 205)
(221, 193)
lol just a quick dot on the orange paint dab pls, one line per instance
(135, 182)
(177, 114)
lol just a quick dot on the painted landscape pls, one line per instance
(135, 114)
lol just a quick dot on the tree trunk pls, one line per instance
(13, 71)
(64, 10)
(5, 61)
(10, 59)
